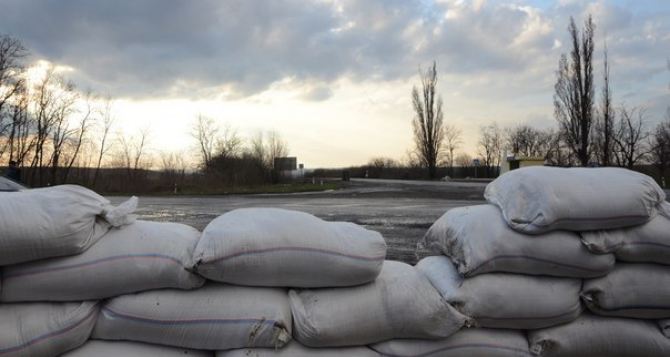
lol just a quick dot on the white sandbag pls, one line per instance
(597, 336)
(478, 240)
(276, 247)
(400, 303)
(630, 290)
(464, 343)
(294, 349)
(646, 243)
(500, 300)
(137, 257)
(55, 221)
(541, 199)
(44, 329)
(97, 348)
(214, 317)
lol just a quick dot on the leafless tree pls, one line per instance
(452, 139)
(490, 147)
(228, 144)
(659, 147)
(630, 137)
(81, 131)
(427, 122)
(205, 133)
(527, 141)
(463, 160)
(276, 147)
(12, 83)
(106, 121)
(61, 132)
(604, 128)
(574, 91)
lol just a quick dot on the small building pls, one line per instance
(513, 162)
(288, 168)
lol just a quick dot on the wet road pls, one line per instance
(400, 210)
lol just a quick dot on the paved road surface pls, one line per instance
(401, 210)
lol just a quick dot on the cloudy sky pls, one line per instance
(334, 77)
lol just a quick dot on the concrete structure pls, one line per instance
(513, 162)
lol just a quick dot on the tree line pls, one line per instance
(591, 131)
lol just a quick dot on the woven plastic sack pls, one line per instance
(137, 257)
(540, 199)
(97, 348)
(478, 240)
(294, 349)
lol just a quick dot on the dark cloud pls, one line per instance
(154, 48)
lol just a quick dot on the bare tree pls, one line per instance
(574, 91)
(427, 122)
(659, 148)
(81, 131)
(61, 133)
(605, 124)
(276, 147)
(11, 84)
(463, 160)
(527, 141)
(490, 147)
(452, 138)
(228, 144)
(630, 137)
(107, 121)
(205, 133)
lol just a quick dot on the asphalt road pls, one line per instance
(400, 210)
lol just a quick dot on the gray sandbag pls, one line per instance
(597, 336)
(646, 243)
(400, 303)
(464, 343)
(214, 317)
(98, 348)
(294, 349)
(55, 221)
(631, 290)
(44, 329)
(141, 256)
(499, 300)
(540, 199)
(478, 240)
(276, 247)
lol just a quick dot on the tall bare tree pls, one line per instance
(630, 137)
(659, 147)
(490, 147)
(106, 121)
(605, 123)
(205, 133)
(427, 122)
(574, 91)
(452, 139)
(81, 131)
(12, 84)
(276, 147)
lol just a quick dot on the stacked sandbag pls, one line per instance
(214, 317)
(138, 257)
(540, 199)
(99, 348)
(464, 343)
(400, 303)
(592, 335)
(276, 247)
(55, 221)
(295, 349)
(508, 301)
(44, 329)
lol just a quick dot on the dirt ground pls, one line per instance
(401, 211)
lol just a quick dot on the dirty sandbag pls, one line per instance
(44, 329)
(400, 303)
(645, 243)
(277, 247)
(465, 343)
(664, 325)
(540, 199)
(55, 221)
(478, 240)
(500, 300)
(631, 290)
(141, 256)
(295, 349)
(598, 336)
(99, 348)
(214, 317)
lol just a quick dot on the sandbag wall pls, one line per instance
(546, 268)
(576, 260)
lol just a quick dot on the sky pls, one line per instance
(334, 77)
